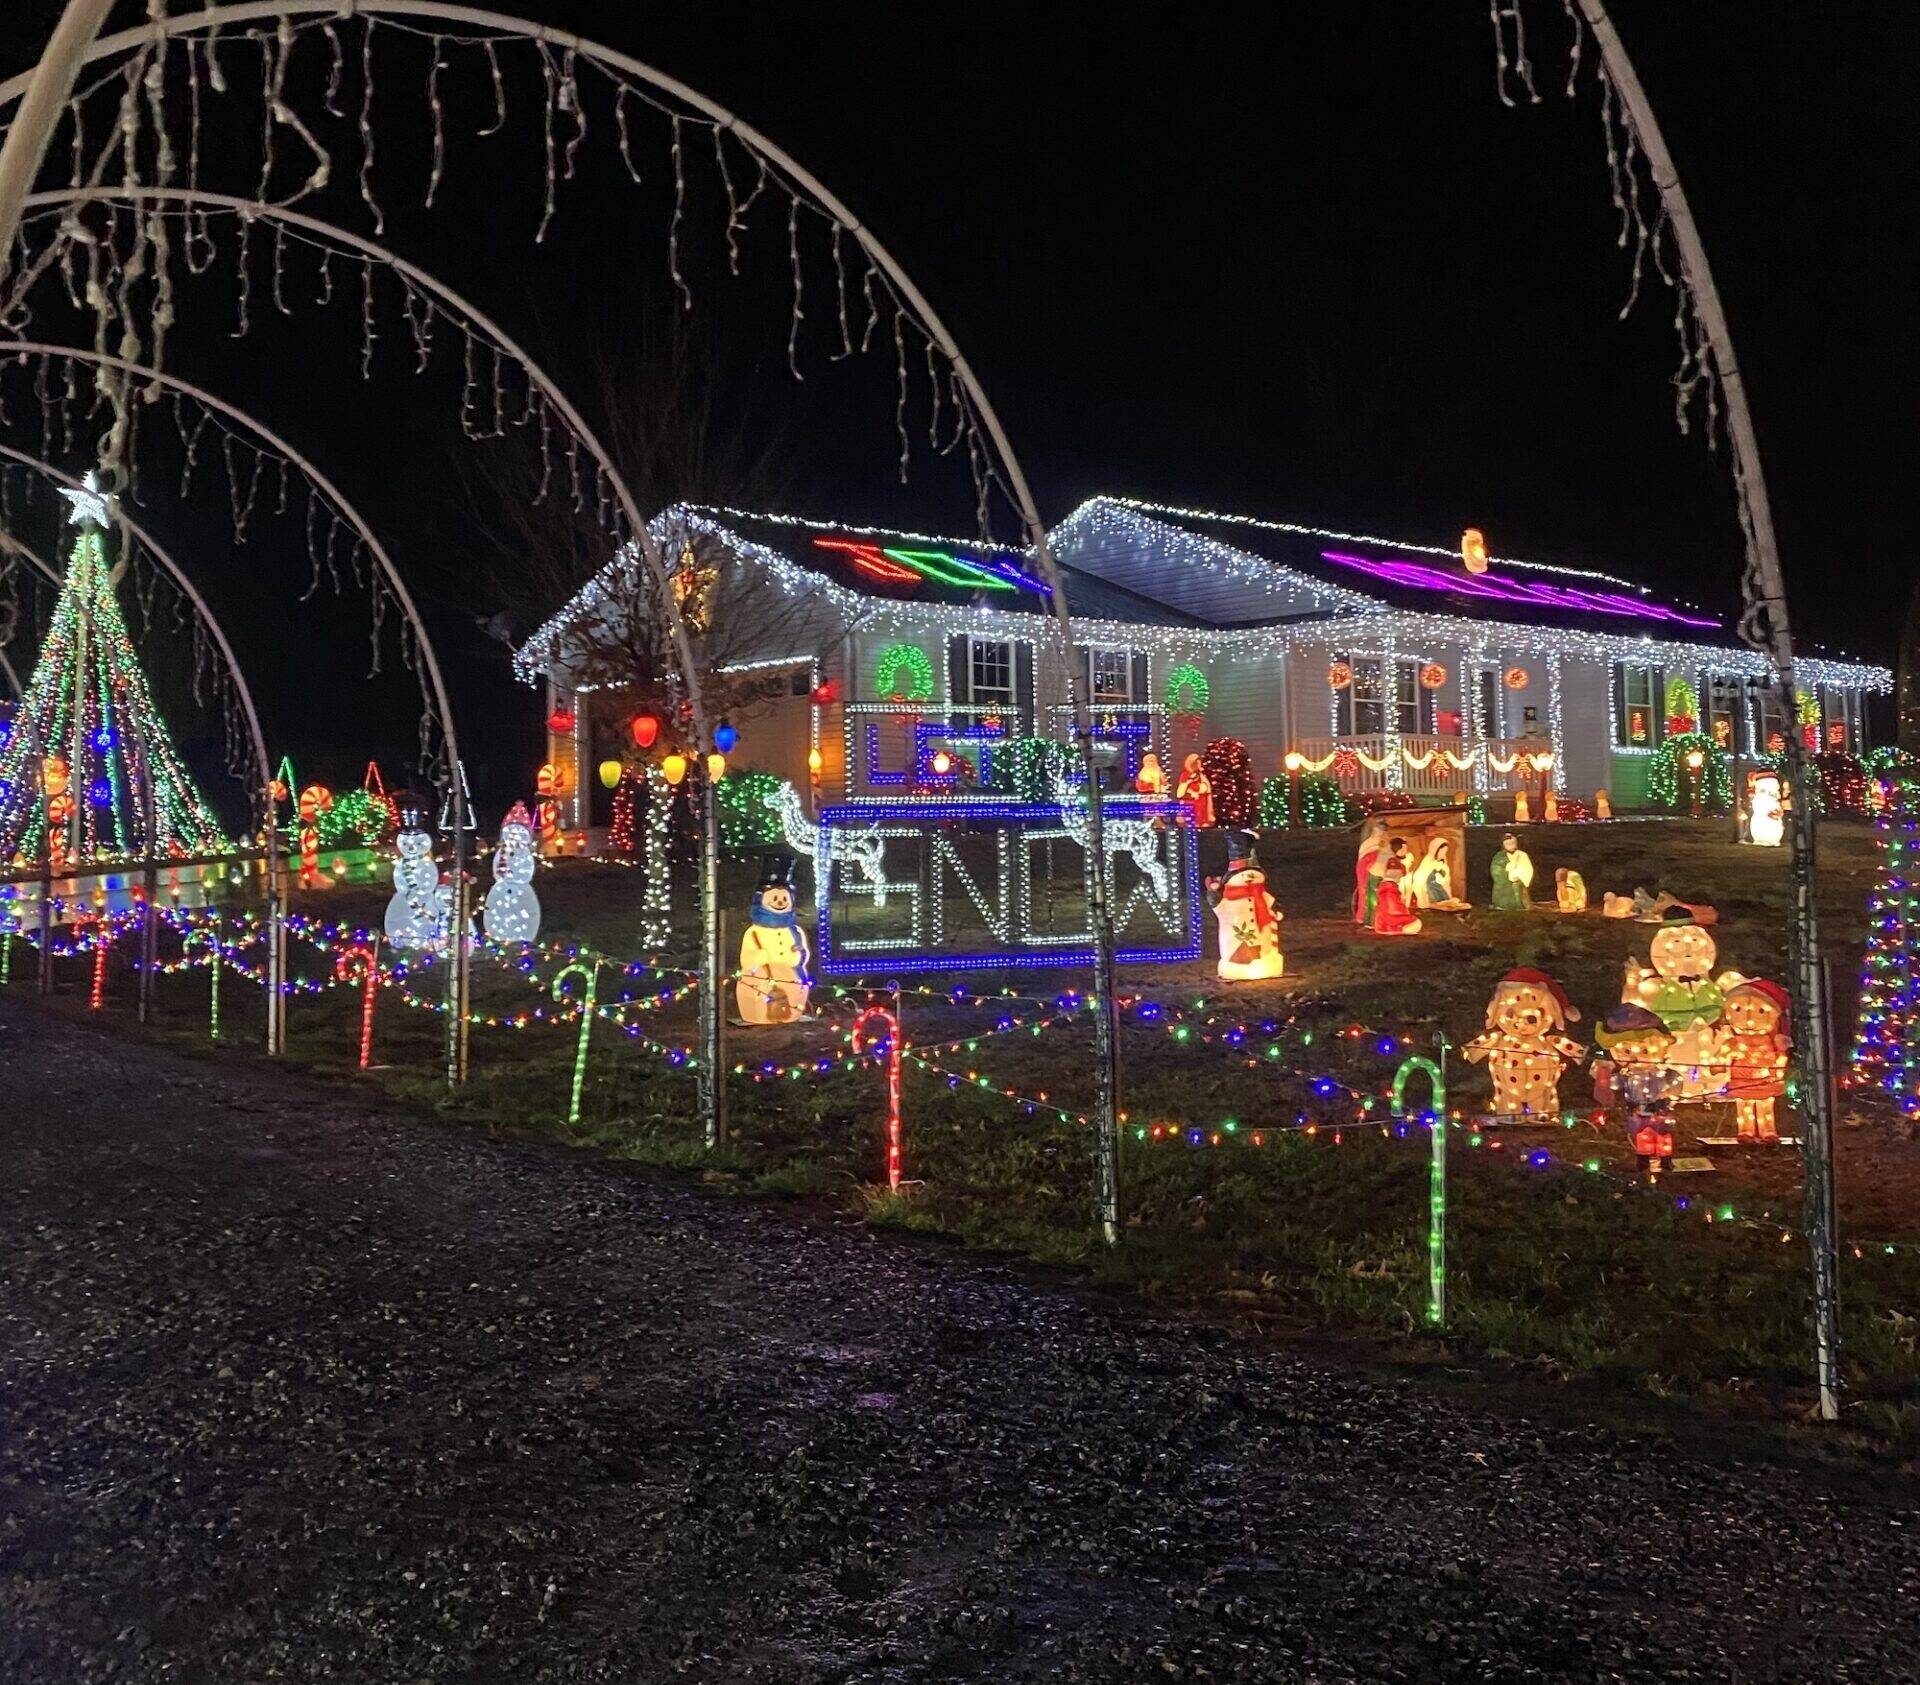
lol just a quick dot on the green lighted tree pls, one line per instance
(86, 737)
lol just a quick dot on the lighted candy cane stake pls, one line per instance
(102, 941)
(591, 974)
(1437, 1179)
(361, 964)
(890, 1018)
(213, 983)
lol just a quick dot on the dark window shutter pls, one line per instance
(959, 687)
(1023, 686)
(1140, 679)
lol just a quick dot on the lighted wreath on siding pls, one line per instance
(1187, 689)
(919, 673)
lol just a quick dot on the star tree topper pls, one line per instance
(89, 502)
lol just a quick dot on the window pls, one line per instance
(1363, 704)
(1486, 688)
(1771, 734)
(1108, 675)
(1724, 703)
(1838, 723)
(1412, 711)
(1638, 706)
(989, 673)
(1383, 700)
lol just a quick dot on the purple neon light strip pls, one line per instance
(1501, 588)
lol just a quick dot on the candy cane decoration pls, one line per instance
(590, 973)
(1436, 1076)
(363, 960)
(891, 1040)
(102, 941)
(213, 984)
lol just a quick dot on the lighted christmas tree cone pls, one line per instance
(774, 983)
(86, 737)
(1886, 1039)
(1525, 1048)
(1249, 936)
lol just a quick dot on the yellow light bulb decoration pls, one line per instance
(675, 767)
(610, 774)
(716, 766)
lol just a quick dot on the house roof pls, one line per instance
(1256, 564)
(1127, 562)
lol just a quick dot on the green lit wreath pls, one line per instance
(1187, 689)
(919, 670)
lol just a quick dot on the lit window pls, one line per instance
(1108, 674)
(989, 672)
(1638, 707)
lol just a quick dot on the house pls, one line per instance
(913, 663)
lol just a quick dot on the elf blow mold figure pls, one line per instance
(1753, 1039)
(1524, 1054)
(1637, 1075)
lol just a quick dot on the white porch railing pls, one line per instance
(1425, 765)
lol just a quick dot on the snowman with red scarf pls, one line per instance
(1249, 921)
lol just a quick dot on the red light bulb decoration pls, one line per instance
(645, 727)
(560, 721)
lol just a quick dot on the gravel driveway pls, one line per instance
(296, 1391)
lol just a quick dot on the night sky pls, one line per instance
(1310, 269)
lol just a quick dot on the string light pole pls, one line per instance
(1708, 361)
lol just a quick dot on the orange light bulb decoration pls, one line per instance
(1473, 550)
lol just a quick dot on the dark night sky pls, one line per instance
(1308, 268)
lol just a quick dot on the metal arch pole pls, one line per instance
(1106, 1022)
(710, 1073)
(46, 89)
(391, 574)
(1809, 980)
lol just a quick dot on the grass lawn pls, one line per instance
(1576, 1268)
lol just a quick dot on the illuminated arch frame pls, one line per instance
(86, 15)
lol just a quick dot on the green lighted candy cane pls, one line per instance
(589, 973)
(213, 983)
(1437, 1178)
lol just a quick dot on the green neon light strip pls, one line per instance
(944, 569)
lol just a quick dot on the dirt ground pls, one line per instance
(298, 1389)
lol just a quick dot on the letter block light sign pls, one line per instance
(989, 885)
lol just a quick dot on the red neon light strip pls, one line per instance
(867, 558)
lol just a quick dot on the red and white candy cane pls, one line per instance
(891, 1038)
(361, 964)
